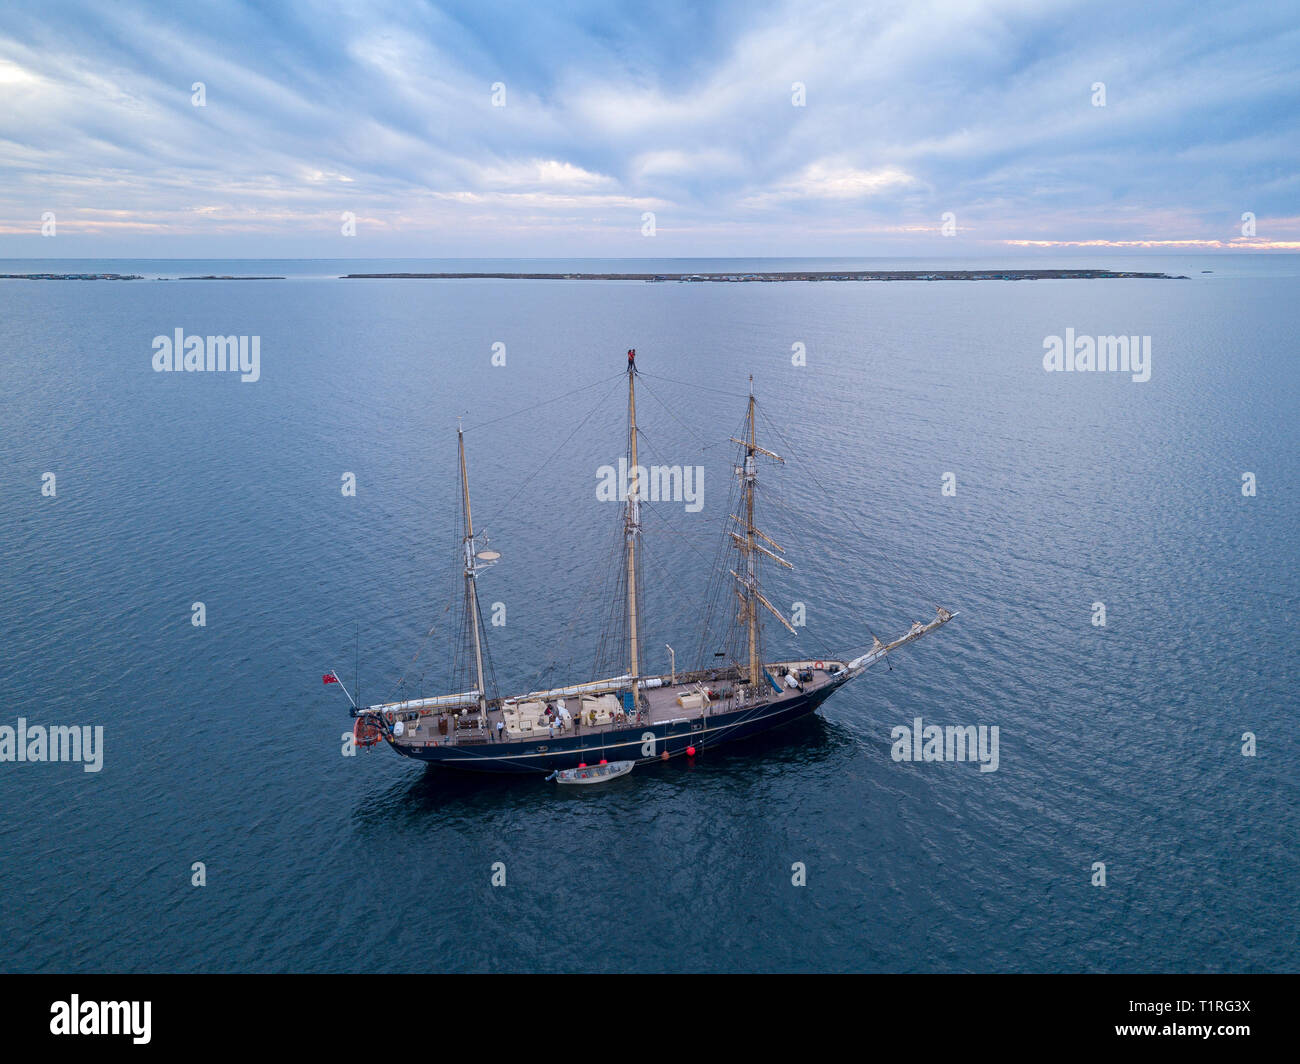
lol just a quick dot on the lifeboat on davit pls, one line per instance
(366, 732)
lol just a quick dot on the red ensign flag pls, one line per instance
(329, 677)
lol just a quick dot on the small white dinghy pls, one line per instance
(593, 773)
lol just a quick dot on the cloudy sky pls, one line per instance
(749, 128)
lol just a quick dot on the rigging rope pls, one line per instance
(722, 629)
(694, 387)
(532, 476)
(544, 402)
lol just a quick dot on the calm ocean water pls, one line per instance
(1119, 744)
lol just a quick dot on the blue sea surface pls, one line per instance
(1119, 744)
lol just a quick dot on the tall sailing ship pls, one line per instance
(635, 716)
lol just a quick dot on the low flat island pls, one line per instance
(70, 277)
(118, 277)
(803, 275)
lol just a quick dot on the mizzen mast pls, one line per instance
(750, 595)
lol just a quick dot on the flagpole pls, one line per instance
(335, 674)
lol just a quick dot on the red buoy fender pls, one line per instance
(819, 665)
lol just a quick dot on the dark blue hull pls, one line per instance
(640, 743)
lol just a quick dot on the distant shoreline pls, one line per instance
(70, 277)
(802, 275)
(121, 277)
(726, 278)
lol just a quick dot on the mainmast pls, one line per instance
(750, 596)
(471, 571)
(632, 522)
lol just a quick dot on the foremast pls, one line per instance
(749, 547)
(472, 566)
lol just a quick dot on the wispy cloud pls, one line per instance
(825, 180)
(800, 128)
